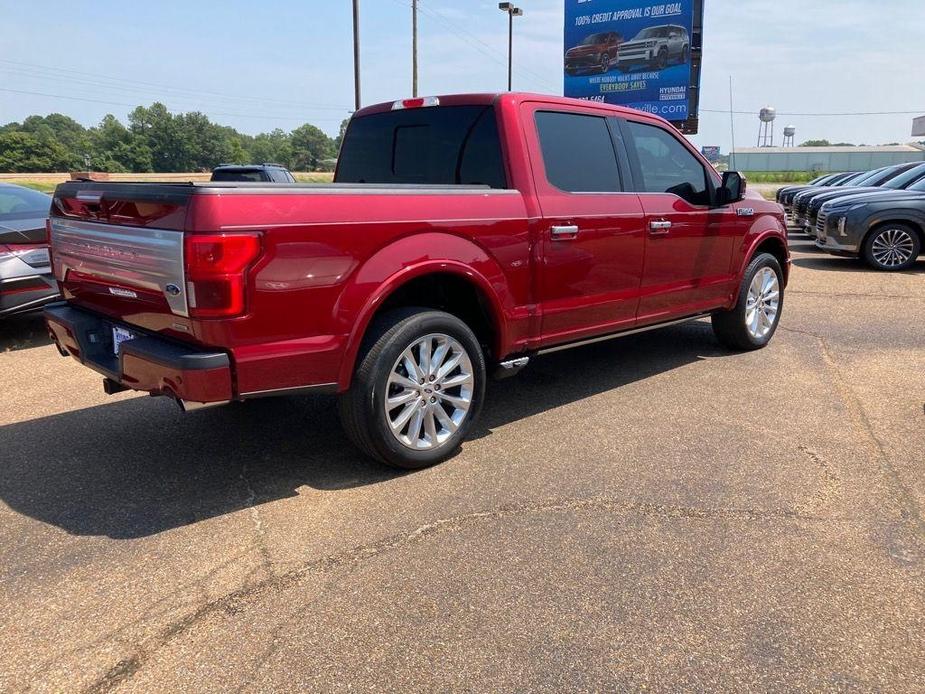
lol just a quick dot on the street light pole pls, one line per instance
(414, 48)
(511, 13)
(356, 52)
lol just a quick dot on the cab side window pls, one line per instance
(667, 166)
(578, 153)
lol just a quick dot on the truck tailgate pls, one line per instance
(118, 249)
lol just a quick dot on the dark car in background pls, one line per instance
(860, 183)
(905, 176)
(26, 282)
(595, 53)
(785, 195)
(886, 230)
(255, 173)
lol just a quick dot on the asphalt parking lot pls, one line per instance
(652, 513)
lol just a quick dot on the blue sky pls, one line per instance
(258, 66)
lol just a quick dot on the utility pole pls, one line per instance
(511, 13)
(732, 129)
(356, 52)
(414, 48)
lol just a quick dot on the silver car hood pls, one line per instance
(28, 230)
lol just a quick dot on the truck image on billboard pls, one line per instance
(636, 53)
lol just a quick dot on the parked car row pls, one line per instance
(877, 215)
(653, 48)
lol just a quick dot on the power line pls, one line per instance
(827, 115)
(171, 88)
(120, 103)
(476, 43)
(102, 86)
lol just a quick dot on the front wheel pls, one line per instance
(418, 389)
(605, 63)
(892, 247)
(753, 321)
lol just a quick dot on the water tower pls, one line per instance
(789, 132)
(766, 128)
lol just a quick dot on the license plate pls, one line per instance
(120, 335)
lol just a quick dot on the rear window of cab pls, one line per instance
(442, 145)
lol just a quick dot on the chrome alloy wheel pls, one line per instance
(892, 247)
(763, 303)
(429, 392)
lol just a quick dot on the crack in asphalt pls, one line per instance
(909, 507)
(231, 603)
(830, 478)
(259, 530)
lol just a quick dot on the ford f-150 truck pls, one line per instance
(463, 235)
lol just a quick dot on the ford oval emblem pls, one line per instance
(172, 289)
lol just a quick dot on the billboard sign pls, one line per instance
(637, 53)
(918, 127)
(711, 153)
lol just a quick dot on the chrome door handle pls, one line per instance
(659, 227)
(564, 233)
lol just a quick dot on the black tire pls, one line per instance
(730, 326)
(605, 63)
(362, 408)
(661, 61)
(912, 246)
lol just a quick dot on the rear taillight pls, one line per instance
(216, 272)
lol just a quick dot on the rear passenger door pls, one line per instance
(592, 236)
(688, 246)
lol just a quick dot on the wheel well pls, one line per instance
(453, 294)
(776, 248)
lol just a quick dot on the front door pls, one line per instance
(689, 245)
(593, 236)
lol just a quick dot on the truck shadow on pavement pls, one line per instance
(23, 331)
(138, 466)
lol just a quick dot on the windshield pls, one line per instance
(918, 186)
(253, 176)
(650, 33)
(22, 203)
(905, 179)
(593, 39)
(856, 179)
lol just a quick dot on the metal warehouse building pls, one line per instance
(824, 158)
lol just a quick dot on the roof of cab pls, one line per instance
(514, 98)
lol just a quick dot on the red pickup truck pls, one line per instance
(462, 236)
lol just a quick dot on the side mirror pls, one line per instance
(732, 189)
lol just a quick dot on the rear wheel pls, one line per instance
(418, 389)
(605, 63)
(892, 247)
(753, 321)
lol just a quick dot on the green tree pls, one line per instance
(274, 146)
(338, 141)
(309, 146)
(162, 134)
(816, 143)
(25, 153)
